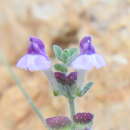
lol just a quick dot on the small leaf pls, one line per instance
(60, 67)
(73, 54)
(77, 92)
(56, 93)
(86, 88)
(58, 51)
(73, 51)
(68, 55)
(65, 55)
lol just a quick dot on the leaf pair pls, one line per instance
(65, 55)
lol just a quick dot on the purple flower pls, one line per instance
(83, 118)
(58, 122)
(66, 79)
(35, 59)
(88, 57)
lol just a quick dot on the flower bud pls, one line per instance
(58, 122)
(60, 77)
(83, 118)
(71, 78)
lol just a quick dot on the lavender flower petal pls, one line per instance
(34, 63)
(82, 62)
(87, 62)
(22, 63)
(97, 61)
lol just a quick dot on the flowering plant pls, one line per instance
(62, 81)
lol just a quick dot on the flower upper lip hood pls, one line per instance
(36, 58)
(88, 57)
(86, 46)
(36, 46)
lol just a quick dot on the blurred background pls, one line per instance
(65, 22)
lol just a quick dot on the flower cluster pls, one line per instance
(63, 82)
(36, 58)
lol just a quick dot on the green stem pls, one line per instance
(71, 106)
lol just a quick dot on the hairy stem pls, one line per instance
(80, 78)
(71, 106)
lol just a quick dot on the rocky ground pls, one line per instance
(64, 22)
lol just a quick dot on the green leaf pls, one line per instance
(56, 93)
(65, 55)
(68, 55)
(77, 92)
(58, 51)
(73, 54)
(86, 88)
(72, 51)
(60, 67)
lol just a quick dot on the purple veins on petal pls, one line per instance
(36, 58)
(58, 122)
(86, 46)
(82, 62)
(83, 118)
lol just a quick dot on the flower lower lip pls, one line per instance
(34, 63)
